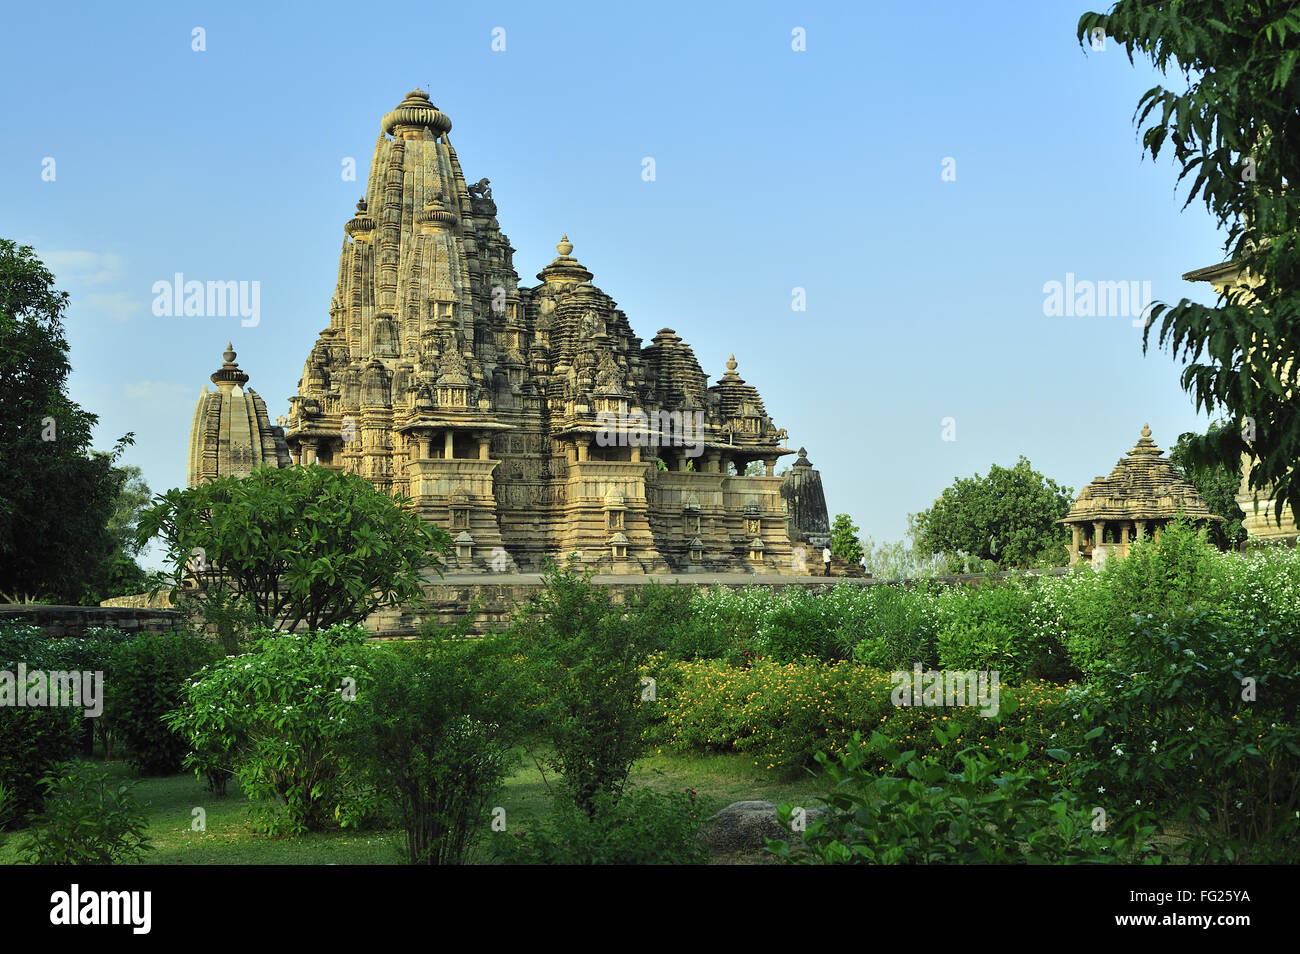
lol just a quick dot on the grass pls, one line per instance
(230, 837)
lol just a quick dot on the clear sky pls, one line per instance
(776, 169)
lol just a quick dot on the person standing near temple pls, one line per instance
(826, 559)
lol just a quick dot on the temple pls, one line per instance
(1143, 493)
(232, 433)
(530, 421)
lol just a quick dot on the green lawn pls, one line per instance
(230, 838)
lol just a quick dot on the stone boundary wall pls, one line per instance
(159, 600)
(496, 602)
(450, 599)
(75, 620)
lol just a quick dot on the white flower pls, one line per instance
(1138, 802)
(1153, 746)
(1101, 789)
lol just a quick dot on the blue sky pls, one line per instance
(775, 169)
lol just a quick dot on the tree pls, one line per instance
(300, 545)
(56, 494)
(585, 658)
(1235, 131)
(133, 499)
(1217, 485)
(897, 561)
(1008, 517)
(844, 539)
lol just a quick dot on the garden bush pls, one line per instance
(996, 809)
(643, 827)
(1198, 716)
(990, 628)
(433, 732)
(88, 820)
(891, 627)
(583, 657)
(795, 627)
(34, 739)
(782, 714)
(275, 718)
(148, 675)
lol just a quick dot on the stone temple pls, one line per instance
(1142, 494)
(530, 421)
(232, 433)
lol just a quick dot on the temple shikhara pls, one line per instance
(232, 432)
(528, 421)
(1142, 494)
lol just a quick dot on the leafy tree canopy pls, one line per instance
(844, 539)
(1235, 132)
(1218, 485)
(298, 544)
(1008, 517)
(56, 494)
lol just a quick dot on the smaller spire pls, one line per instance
(229, 376)
(565, 268)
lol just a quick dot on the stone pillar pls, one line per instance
(484, 445)
(713, 462)
(426, 447)
(682, 460)
(1074, 533)
(309, 452)
(449, 445)
(571, 452)
(770, 466)
(1157, 537)
(1099, 533)
(1123, 533)
(1141, 529)
(636, 453)
(582, 449)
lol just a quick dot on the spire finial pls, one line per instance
(229, 353)
(565, 246)
(731, 363)
(1146, 430)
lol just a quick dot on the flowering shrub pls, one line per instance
(275, 717)
(1198, 715)
(782, 714)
